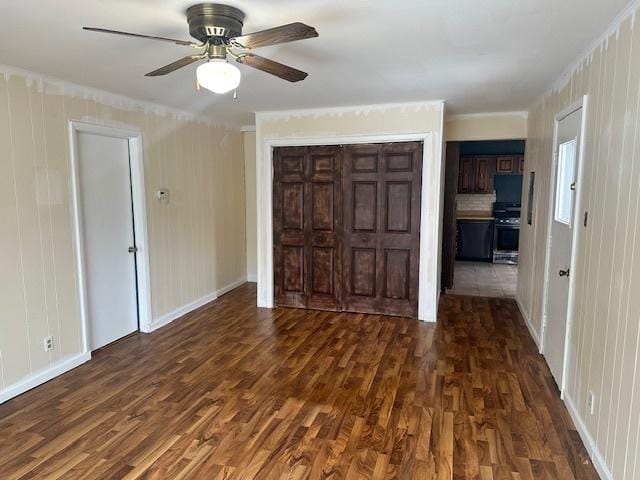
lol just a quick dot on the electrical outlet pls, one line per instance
(48, 344)
(591, 400)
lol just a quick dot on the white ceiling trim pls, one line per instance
(63, 87)
(357, 109)
(601, 42)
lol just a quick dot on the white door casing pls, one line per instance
(429, 272)
(563, 227)
(134, 139)
(107, 230)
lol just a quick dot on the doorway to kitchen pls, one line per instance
(483, 191)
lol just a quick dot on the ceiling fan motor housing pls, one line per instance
(207, 20)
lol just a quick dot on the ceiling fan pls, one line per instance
(219, 31)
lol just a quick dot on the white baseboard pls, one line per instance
(527, 321)
(43, 376)
(72, 362)
(231, 286)
(252, 277)
(179, 312)
(592, 449)
(595, 454)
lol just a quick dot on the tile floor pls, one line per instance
(485, 279)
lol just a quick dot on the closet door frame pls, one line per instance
(430, 212)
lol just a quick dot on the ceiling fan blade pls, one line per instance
(116, 32)
(273, 36)
(274, 68)
(183, 62)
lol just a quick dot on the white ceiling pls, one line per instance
(478, 55)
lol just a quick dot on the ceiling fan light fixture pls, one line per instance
(218, 75)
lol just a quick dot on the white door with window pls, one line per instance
(561, 241)
(107, 237)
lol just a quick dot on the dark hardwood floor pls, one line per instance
(231, 391)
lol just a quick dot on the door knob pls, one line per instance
(133, 249)
(564, 273)
(364, 238)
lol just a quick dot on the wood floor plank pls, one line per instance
(232, 391)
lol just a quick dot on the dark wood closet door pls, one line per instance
(381, 228)
(307, 217)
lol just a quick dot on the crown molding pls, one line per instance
(358, 109)
(56, 86)
(600, 42)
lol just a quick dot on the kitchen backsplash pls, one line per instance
(475, 202)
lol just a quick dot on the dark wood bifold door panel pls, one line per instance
(346, 227)
(381, 227)
(307, 221)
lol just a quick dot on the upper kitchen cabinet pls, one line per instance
(485, 168)
(466, 175)
(509, 164)
(476, 174)
(505, 164)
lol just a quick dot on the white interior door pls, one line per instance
(561, 240)
(107, 231)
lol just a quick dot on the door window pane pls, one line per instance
(564, 182)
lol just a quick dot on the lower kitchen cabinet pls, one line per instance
(475, 240)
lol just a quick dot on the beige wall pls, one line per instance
(196, 241)
(364, 120)
(250, 189)
(486, 126)
(604, 338)
(343, 123)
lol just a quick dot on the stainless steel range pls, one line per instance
(506, 232)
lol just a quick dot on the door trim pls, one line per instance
(581, 103)
(428, 274)
(134, 138)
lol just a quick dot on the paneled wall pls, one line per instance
(605, 335)
(196, 240)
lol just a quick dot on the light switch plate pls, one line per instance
(163, 194)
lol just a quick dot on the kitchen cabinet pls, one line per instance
(476, 174)
(509, 164)
(475, 240)
(466, 175)
(505, 164)
(485, 168)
